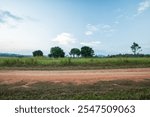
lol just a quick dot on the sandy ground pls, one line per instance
(76, 76)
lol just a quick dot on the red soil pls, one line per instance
(76, 76)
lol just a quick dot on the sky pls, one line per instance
(108, 26)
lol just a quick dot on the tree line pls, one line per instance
(57, 52)
(85, 51)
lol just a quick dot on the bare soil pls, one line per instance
(74, 76)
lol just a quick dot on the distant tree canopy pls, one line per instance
(87, 51)
(75, 52)
(56, 52)
(135, 48)
(37, 53)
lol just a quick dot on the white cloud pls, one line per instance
(92, 43)
(101, 28)
(143, 6)
(64, 39)
(5, 16)
(107, 29)
(91, 29)
(88, 33)
(8, 19)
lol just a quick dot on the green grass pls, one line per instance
(100, 90)
(116, 90)
(73, 63)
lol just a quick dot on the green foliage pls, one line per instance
(18, 62)
(73, 63)
(10, 62)
(75, 52)
(37, 53)
(135, 48)
(56, 52)
(66, 62)
(87, 51)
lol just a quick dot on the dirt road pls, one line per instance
(77, 76)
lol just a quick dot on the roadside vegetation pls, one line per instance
(45, 63)
(108, 90)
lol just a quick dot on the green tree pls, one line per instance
(75, 52)
(56, 52)
(87, 51)
(135, 48)
(37, 53)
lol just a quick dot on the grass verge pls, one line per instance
(72, 63)
(108, 90)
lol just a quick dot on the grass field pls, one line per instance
(117, 90)
(44, 63)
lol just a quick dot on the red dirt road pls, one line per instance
(76, 76)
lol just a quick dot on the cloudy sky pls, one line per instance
(108, 26)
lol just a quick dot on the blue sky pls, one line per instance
(108, 26)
